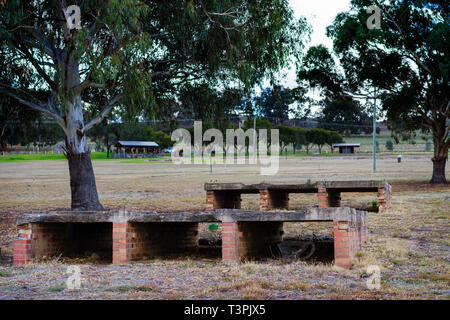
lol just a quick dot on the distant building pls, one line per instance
(238, 120)
(346, 147)
(135, 149)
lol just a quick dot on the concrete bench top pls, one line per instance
(114, 216)
(311, 215)
(222, 215)
(349, 186)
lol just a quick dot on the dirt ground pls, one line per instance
(410, 244)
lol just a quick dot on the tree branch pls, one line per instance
(20, 45)
(103, 113)
(87, 84)
(363, 96)
(414, 56)
(41, 107)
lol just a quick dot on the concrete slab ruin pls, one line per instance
(276, 196)
(129, 235)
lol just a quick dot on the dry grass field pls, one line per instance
(410, 243)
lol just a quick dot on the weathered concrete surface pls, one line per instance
(313, 214)
(349, 186)
(245, 188)
(114, 216)
(130, 235)
(273, 196)
(221, 215)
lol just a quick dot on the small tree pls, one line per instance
(333, 137)
(389, 145)
(299, 138)
(163, 140)
(287, 136)
(309, 139)
(319, 137)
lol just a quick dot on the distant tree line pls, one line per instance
(297, 137)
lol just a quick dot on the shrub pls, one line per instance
(389, 145)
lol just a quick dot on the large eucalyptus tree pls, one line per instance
(406, 59)
(132, 55)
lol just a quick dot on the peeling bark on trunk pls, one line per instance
(82, 178)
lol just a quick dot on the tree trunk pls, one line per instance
(441, 146)
(439, 170)
(107, 144)
(82, 183)
(82, 178)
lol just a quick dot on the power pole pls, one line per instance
(254, 139)
(374, 131)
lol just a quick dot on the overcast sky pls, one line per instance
(320, 14)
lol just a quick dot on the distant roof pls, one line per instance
(346, 144)
(137, 143)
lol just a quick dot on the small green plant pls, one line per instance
(5, 274)
(57, 289)
(389, 145)
(375, 203)
(122, 288)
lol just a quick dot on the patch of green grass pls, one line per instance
(134, 161)
(434, 202)
(122, 288)
(31, 157)
(126, 288)
(395, 262)
(95, 156)
(56, 289)
(48, 156)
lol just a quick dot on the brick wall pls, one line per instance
(230, 241)
(222, 199)
(246, 240)
(37, 241)
(48, 239)
(349, 237)
(270, 199)
(23, 252)
(384, 198)
(328, 198)
(135, 241)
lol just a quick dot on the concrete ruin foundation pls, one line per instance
(127, 235)
(276, 196)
